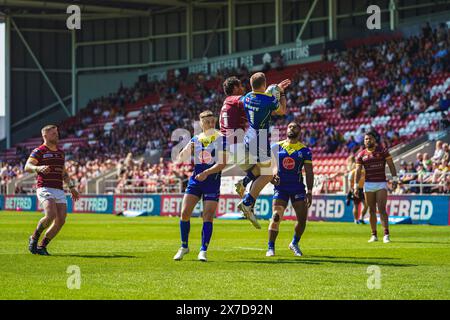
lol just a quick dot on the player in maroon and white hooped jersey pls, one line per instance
(48, 162)
(233, 124)
(232, 114)
(374, 158)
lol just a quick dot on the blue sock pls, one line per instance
(248, 178)
(272, 245)
(206, 234)
(248, 200)
(295, 240)
(185, 227)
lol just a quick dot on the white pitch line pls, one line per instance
(248, 248)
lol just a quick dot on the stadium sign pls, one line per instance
(20, 203)
(292, 53)
(421, 209)
(433, 210)
(229, 203)
(145, 203)
(93, 204)
(171, 206)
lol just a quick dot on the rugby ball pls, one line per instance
(274, 90)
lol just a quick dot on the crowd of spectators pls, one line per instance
(140, 176)
(401, 69)
(430, 172)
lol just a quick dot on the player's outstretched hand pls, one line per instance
(284, 84)
(308, 199)
(75, 194)
(201, 177)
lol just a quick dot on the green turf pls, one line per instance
(131, 258)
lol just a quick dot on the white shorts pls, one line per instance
(374, 186)
(45, 193)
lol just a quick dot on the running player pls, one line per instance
(374, 158)
(290, 156)
(208, 150)
(259, 107)
(360, 199)
(48, 162)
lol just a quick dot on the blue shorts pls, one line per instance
(294, 195)
(257, 147)
(209, 191)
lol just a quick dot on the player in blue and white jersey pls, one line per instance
(290, 157)
(259, 107)
(208, 150)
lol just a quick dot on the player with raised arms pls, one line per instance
(259, 107)
(233, 121)
(290, 157)
(208, 151)
(374, 158)
(48, 162)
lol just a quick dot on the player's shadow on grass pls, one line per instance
(110, 256)
(305, 260)
(341, 257)
(433, 242)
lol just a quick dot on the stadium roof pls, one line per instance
(119, 7)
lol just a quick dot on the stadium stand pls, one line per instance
(397, 87)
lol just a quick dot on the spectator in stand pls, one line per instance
(446, 156)
(438, 152)
(419, 159)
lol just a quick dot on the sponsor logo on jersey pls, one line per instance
(288, 163)
(205, 156)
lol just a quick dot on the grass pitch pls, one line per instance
(131, 258)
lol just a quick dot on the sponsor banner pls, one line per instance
(325, 208)
(171, 206)
(293, 53)
(93, 204)
(150, 204)
(421, 209)
(20, 203)
(229, 203)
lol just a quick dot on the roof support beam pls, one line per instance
(231, 25)
(332, 20)
(189, 28)
(60, 5)
(8, 81)
(308, 16)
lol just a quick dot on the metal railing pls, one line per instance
(143, 186)
(421, 187)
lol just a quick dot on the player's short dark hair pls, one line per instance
(373, 134)
(229, 84)
(257, 80)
